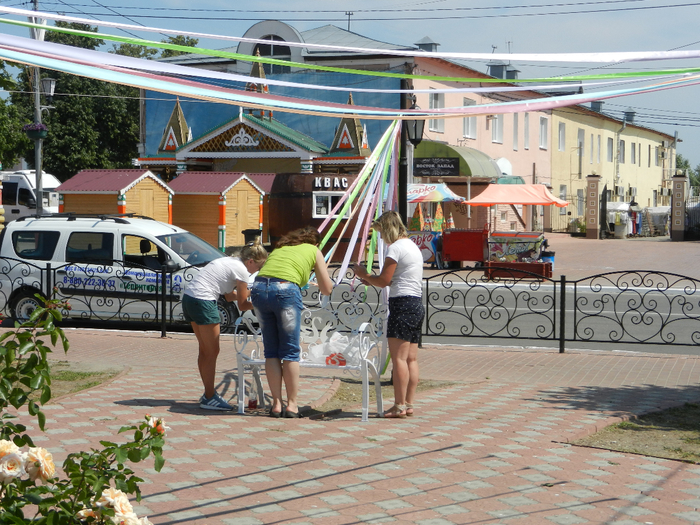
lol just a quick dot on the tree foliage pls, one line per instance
(693, 174)
(179, 40)
(93, 124)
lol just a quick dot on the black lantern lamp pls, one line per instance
(414, 129)
(48, 86)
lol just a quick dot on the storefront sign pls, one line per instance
(330, 183)
(436, 167)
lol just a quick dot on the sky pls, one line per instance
(478, 26)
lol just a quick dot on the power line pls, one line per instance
(340, 18)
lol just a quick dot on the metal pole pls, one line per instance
(37, 119)
(562, 315)
(403, 161)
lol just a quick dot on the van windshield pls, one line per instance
(192, 249)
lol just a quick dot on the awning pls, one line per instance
(432, 193)
(526, 194)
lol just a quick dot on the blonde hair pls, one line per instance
(253, 250)
(391, 227)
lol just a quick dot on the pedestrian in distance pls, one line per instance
(276, 295)
(227, 276)
(403, 273)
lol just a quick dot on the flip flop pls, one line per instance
(291, 415)
(275, 414)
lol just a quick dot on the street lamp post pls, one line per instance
(47, 85)
(411, 133)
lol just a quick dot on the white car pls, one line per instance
(108, 267)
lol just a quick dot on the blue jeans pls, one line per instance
(278, 308)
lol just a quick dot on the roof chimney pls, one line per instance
(597, 106)
(629, 115)
(427, 44)
(511, 72)
(497, 69)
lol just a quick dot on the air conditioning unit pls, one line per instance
(621, 191)
(662, 154)
(665, 192)
(633, 192)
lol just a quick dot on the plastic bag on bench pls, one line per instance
(338, 350)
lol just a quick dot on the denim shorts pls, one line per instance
(405, 318)
(278, 308)
(200, 311)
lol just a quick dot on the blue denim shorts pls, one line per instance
(278, 308)
(200, 311)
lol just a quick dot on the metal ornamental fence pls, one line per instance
(633, 307)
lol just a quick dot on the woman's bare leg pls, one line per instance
(208, 339)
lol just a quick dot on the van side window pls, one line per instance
(139, 251)
(90, 247)
(9, 194)
(38, 245)
(26, 198)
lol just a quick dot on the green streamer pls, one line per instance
(385, 74)
(380, 146)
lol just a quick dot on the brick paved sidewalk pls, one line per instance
(490, 449)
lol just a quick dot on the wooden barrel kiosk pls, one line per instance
(305, 199)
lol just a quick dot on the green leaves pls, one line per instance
(25, 379)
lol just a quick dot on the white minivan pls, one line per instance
(19, 193)
(108, 267)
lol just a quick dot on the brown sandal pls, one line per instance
(397, 411)
(409, 409)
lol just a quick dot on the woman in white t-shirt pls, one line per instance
(227, 276)
(403, 273)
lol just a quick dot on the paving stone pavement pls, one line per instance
(491, 448)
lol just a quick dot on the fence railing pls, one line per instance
(631, 307)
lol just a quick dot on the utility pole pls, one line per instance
(349, 14)
(37, 34)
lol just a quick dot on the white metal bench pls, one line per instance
(361, 347)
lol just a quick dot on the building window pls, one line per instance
(504, 216)
(580, 203)
(591, 148)
(469, 123)
(599, 148)
(325, 201)
(437, 101)
(497, 129)
(543, 132)
(611, 147)
(526, 131)
(656, 155)
(515, 132)
(581, 145)
(633, 153)
(621, 152)
(639, 155)
(562, 136)
(562, 196)
(272, 50)
(649, 157)
(513, 226)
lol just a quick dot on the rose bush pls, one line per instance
(97, 484)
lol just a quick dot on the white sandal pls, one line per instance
(397, 411)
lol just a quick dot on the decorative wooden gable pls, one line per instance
(176, 132)
(350, 138)
(242, 138)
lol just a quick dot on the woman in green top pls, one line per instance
(276, 296)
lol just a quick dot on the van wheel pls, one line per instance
(228, 314)
(24, 304)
